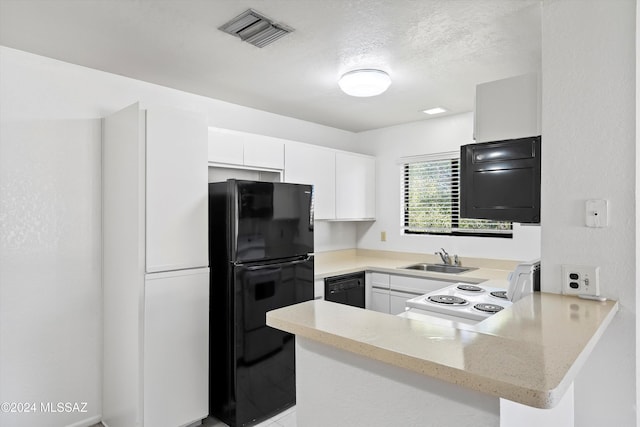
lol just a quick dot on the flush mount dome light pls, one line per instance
(364, 82)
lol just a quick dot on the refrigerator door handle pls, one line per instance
(274, 266)
(311, 208)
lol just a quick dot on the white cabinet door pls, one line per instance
(306, 164)
(123, 160)
(377, 291)
(355, 186)
(245, 149)
(380, 300)
(318, 289)
(263, 152)
(177, 191)
(398, 301)
(508, 108)
(226, 146)
(176, 348)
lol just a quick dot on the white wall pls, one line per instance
(50, 221)
(334, 235)
(50, 268)
(588, 122)
(57, 89)
(637, 206)
(429, 136)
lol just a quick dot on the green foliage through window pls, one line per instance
(431, 202)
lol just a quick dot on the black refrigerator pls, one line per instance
(261, 258)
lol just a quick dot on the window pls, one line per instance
(431, 200)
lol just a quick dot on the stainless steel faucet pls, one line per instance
(446, 259)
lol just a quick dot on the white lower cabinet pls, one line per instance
(176, 348)
(389, 292)
(377, 288)
(398, 301)
(318, 289)
(380, 300)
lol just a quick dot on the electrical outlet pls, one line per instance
(580, 280)
(383, 236)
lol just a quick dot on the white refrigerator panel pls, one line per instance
(123, 188)
(176, 348)
(177, 190)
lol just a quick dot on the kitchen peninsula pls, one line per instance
(360, 367)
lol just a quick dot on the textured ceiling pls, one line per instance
(436, 51)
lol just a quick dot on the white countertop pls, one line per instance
(348, 261)
(528, 353)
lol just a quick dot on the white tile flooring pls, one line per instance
(286, 418)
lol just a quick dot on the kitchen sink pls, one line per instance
(439, 268)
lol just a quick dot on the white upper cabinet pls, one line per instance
(226, 146)
(245, 149)
(176, 190)
(508, 109)
(343, 182)
(308, 164)
(355, 186)
(263, 152)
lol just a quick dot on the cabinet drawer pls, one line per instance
(417, 285)
(380, 280)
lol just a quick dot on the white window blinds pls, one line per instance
(431, 201)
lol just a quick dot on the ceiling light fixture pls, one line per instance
(364, 82)
(436, 110)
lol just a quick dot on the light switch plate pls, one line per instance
(580, 280)
(596, 213)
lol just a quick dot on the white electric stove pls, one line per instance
(468, 304)
(462, 302)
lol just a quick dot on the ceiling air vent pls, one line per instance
(255, 28)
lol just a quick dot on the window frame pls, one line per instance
(453, 156)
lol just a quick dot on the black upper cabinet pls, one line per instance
(501, 180)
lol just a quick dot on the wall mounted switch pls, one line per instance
(580, 280)
(597, 214)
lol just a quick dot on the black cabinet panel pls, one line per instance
(501, 180)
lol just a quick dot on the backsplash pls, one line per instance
(334, 236)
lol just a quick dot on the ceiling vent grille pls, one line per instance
(255, 28)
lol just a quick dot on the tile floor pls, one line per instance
(283, 419)
(286, 418)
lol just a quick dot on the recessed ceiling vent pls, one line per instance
(255, 28)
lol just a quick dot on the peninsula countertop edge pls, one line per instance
(528, 353)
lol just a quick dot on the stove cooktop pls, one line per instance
(463, 300)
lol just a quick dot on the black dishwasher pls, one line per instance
(345, 289)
